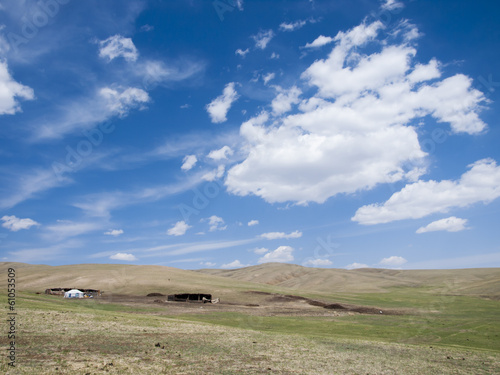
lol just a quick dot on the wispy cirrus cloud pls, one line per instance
(101, 204)
(66, 229)
(22, 186)
(88, 111)
(44, 254)
(192, 247)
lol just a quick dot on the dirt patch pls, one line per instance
(155, 295)
(268, 305)
(287, 298)
(335, 306)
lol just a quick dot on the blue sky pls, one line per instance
(224, 133)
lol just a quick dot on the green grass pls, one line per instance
(440, 320)
(116, 339)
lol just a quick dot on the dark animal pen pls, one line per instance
(189, 297)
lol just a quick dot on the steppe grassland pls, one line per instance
(82, 337)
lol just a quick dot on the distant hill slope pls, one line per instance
(272, 277)
(474, 281)
(124, 279)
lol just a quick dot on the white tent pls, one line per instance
(73, 293)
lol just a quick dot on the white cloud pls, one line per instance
(179, 229)
(292, 26)
(215, 174)
(355, 265)
(424, 72)
(263, 38)
(14, 223)
(356, 131)
(234, 264)
(275, 56)
(318, 262)
(123, 256)
(188, 162)
(393, 261)
(208, 264)
(219, 107)
(11, 91)
(481, 183)
(239, 4)
(450, 224)
(116, 46)
(114, 232)
(282, 103)
(266, 78)
(241, 52)
(278, 235)
(221, 153)
(282, 254)
(261, 250)
(251, 223)
(215, 223)
(319, 42)
(120, 101)
(391, 5)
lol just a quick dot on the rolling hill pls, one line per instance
(473, 281)
(275, 277)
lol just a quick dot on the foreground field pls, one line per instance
(57, 336)
(271, 319)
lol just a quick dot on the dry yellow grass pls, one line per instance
(366, 280)
(133, 279)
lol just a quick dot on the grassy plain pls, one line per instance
(437, 330)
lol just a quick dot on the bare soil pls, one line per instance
(268, 304)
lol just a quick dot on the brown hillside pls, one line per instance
(474, 281)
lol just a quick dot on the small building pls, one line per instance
(73, 293)
(91, 293)
(190, 297)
